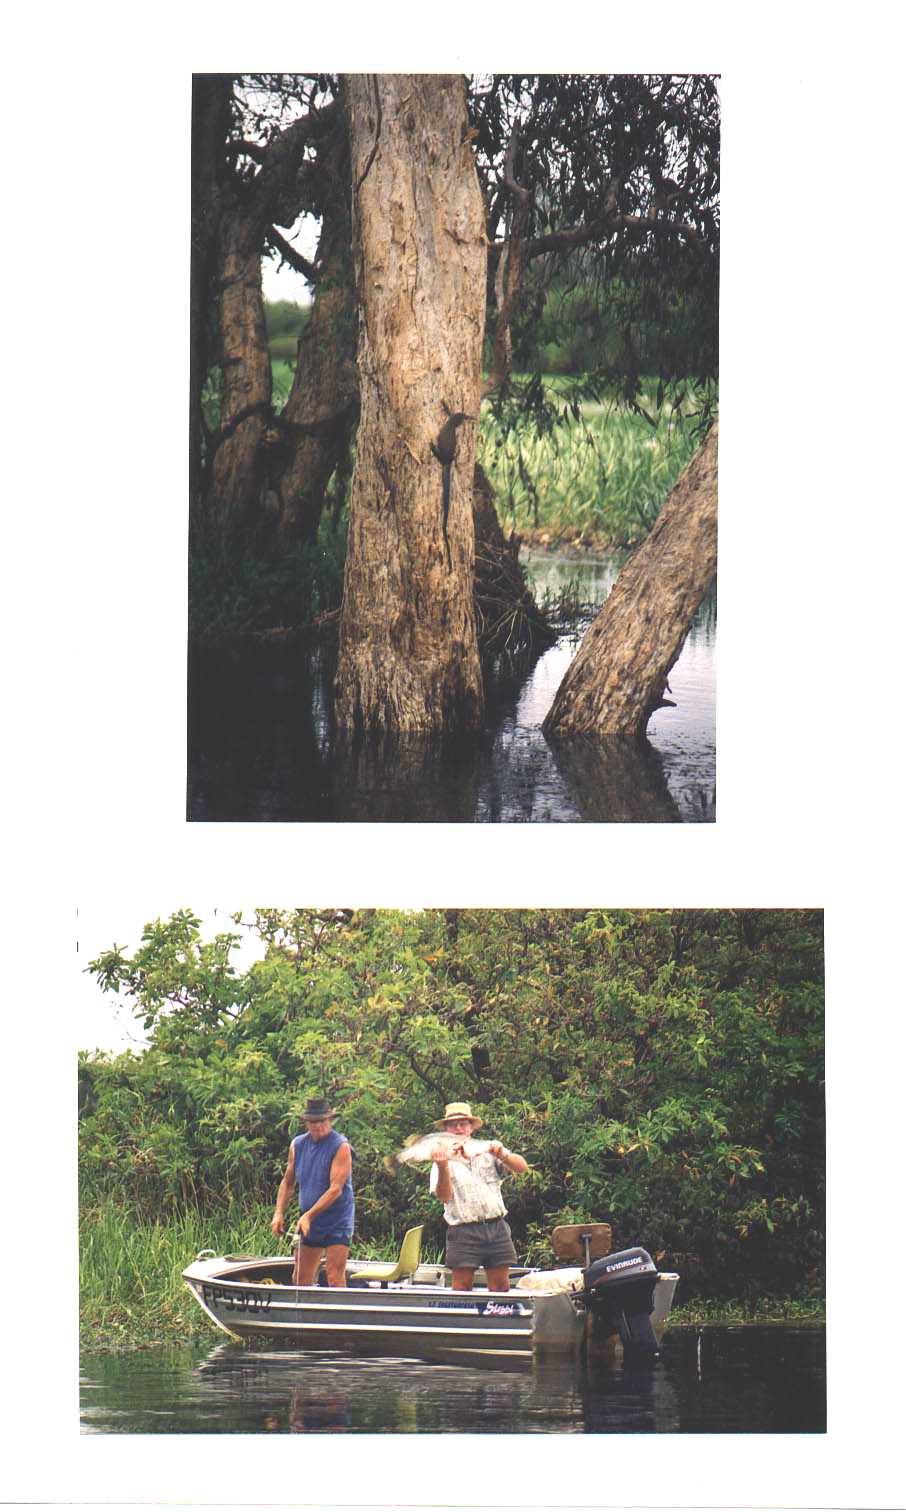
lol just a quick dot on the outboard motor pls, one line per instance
(619, 1295)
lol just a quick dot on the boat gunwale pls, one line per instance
(211, 1272)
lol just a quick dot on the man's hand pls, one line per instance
(496, 1148)
(303, 1226)
(277, 1223)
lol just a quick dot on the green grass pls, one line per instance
(130, 1287)
(600, 478)
(704, 1311)
(131, 1292)
(282, 371)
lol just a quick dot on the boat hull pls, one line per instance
(256, 1299)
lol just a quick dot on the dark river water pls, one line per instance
(714, 1380)
(261, 745)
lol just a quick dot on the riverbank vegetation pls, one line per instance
(596, 473)
(659, 1070)
(132, 1295)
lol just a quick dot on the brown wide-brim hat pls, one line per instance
(458, 1110)
(319, 1107)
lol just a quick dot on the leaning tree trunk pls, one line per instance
(408, 647)
(619, 675)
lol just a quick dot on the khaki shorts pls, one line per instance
(474, 1244)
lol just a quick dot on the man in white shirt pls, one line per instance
(477, 1231)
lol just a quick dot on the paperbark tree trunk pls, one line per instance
(408, 646)
(323, 402)
(619, 675)
(246, 395)
(232, 217)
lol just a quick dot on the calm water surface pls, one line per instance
(717, 1380)
(262, 747)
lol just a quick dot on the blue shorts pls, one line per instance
(327, 1240)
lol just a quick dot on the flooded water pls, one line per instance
(262, 747)
(714, 1380)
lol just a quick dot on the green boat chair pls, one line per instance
(406, 1265)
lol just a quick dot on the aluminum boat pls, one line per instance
(614, 1303)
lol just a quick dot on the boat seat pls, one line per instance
(582, 1241)
(405, 1266)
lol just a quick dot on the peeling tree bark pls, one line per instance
(232, 220)
(408, 645)
(323, 401)
(246, 369)
(619, 676)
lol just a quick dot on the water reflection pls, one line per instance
(296, 1393)
(262, 746)
(616, 779)
(719, 1380)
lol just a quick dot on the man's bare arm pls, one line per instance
(284, 1194)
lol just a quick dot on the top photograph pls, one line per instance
(453, 448)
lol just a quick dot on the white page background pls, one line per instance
(809, 768)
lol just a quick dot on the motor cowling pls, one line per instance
(619, 1295)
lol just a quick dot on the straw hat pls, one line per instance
(459, 1110)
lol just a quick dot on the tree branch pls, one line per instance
(290, 256)
(423, 1076)
(607, 224)
(282, 160)
(510, 267)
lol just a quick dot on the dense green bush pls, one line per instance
(659, 1070)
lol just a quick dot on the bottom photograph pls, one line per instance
(454, 1171)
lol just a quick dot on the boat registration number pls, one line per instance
(236, 1300)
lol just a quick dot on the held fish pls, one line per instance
(436, 1147)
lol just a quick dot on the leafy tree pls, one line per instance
(663, 1071)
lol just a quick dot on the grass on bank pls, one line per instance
(132, 1295)
(704, 1311)
(598, 477)
(131, 1291)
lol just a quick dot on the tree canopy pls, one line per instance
(659, 1070)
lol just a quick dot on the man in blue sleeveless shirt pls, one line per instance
(320, 1167)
